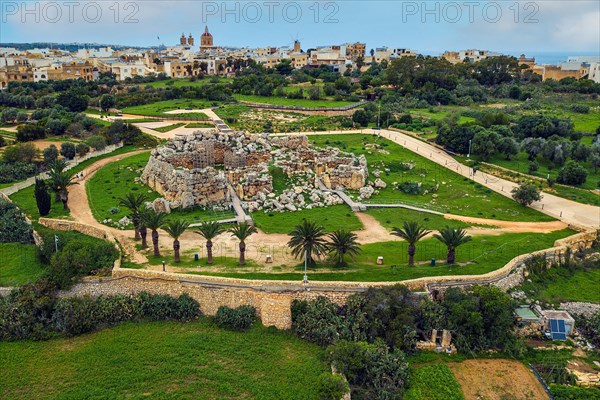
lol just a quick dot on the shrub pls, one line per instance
(163, 307)
(572, 174)
(17, 171)
(26, 312)
(238, 319)
(13, 226)
(318, 321)
(82, 149)
(96, 142)
(533, 167)
(526, 194)
(67, 150)
(74, 316)
(79, 258)
(20, 152)
(332, 387)
(50, 154)
(371, 369)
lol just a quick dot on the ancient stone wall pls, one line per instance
(272, 300)
(186, 188)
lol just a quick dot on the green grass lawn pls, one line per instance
(331, 218)
(163, 360)
(169, 128)
(20, 264)
(199, 125)
(25, 198)
(482, 255)
(9, 134)
(394, 217)
(456, 194)
(177, 83)
(282, 101)
(115, 180)
(158, 109)
(433, 382)
(560, 285)
(520, 163)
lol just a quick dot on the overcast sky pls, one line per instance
(540, 26)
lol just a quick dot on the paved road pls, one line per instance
(568, 211)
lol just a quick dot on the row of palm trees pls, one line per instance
(144, 218)
(308, 239)
(412, 232)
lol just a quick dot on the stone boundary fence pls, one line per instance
(272, 299)
(298, 108)
(66, 225)
(73, 163)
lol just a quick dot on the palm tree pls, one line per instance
(342, 243)
(412, 232)
(61, 182)
(452, 238)
(175, 229)
(56, 168)
(153, 221)
(242, 231)
(209, 231)
(135, 203)
(307, 239)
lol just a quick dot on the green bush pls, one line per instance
(17, 171)
(238, 319)
(164, 307)
(74, 316)
(574, 393)
(26, 313)
(371, 369)
(13, 226)
(317, 321)
(80, 258)
(332, 387)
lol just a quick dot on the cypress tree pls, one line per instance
(42, 197)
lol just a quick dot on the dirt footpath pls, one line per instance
(497, 380)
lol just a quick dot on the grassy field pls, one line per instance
(199, 125)
(169, 128)
(394, 217)
(158, 109)
(258, 120)
(26, 200)
(482, 255)
(282, 101)
(560, 285)
(331, 218)
(455, 195)
(163, 360)
(186, 82)
(20, 264)
(115, 180)
(433, 382)
(520, 163)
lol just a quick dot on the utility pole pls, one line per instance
(469, 155)
(305, 265)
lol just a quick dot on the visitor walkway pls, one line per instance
(568, 211)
